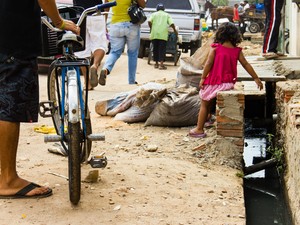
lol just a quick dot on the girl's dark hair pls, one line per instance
(228, 32)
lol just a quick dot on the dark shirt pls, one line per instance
(87, 3)
(20, 22)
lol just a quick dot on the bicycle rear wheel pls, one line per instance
(74, 135)
(55, 95)
(74, 162)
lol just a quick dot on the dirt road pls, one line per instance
(169, 186)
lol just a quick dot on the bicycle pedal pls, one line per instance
(98, 161)
(46, 109)
(52, 138)
(96, 137)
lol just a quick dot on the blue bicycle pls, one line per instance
(68, 100)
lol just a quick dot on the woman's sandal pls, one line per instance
(209, 123)
(102, 78)
(196, 135)
(162, 67)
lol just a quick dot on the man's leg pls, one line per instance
(162, 54)
(10, 182)
(273, 20)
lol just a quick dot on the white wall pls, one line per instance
(294, 26)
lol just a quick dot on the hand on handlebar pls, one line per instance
(69, 25)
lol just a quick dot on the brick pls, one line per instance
(225, 119)
(227, 126)
(239, 142)
(230, 133)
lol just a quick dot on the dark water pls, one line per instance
(264, 199)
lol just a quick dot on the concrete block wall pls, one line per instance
(288, 138)
(230, 116)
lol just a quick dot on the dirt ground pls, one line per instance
(173, 185)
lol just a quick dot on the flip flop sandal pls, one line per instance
(196, 135)
(155, 66)
(23, 193)
(281, 54)
(94, 77)
(162, 67)
(209, 123)
(270, 55)
(102, 78)
(45, 129)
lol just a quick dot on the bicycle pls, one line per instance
(68, 104)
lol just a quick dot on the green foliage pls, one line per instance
(276, 153)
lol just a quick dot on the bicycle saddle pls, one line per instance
(77, 40)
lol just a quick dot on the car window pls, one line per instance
(169, 4)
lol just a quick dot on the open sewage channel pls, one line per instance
(265, 201)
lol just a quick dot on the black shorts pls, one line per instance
(19, 89)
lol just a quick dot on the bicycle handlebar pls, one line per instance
(94, 9)
(83, 15)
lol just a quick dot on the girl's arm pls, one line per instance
(250, 70)
(208, 65)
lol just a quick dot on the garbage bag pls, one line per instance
(178, 108)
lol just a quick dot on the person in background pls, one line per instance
(236, 16)
(220, 72)
(272, 25)
(241, 8)
(20, 45)
(159, 23)
(246, 5)
(122, 32)
(96, 40)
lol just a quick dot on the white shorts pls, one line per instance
(95, 37)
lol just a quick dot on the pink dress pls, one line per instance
(223, 73)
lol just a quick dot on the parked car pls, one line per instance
(186, 16)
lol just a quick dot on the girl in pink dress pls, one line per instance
(220, 71)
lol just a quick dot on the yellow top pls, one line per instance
(119, 11)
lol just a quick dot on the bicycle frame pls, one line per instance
(70, 73)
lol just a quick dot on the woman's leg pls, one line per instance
(117, 44)
(133, 45)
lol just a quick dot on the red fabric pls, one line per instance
(236, 16)
(224, 69)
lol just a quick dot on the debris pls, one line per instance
(199, 147)
(92, 177)
(118, 207)
(59, 175)
(151, 148)
(45, 129)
